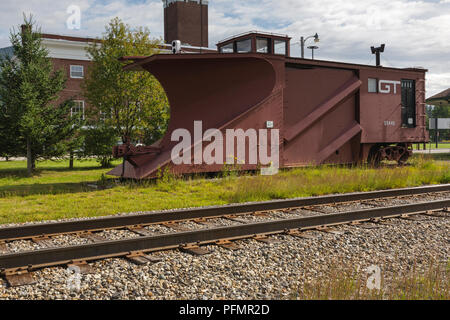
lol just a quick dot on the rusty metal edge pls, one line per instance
(28, 231)
(58, 256)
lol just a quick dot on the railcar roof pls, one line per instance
(138, 62)
(347, 65)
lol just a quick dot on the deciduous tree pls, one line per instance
(131, 104)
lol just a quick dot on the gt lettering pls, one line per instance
(387, 86)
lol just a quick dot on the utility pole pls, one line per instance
(302, 45)
(437, 132)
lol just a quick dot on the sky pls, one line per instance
(416, 33)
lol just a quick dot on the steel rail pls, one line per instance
(102, 223)
(31, 260)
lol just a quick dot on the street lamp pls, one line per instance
(312, 50)
(303, 40)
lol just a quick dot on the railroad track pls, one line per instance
(17, 267)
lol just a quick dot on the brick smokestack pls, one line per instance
(25, 28)
(187, 21)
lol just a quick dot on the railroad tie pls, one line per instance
(330, 230)
(175, 226)
(92, 236)
(204, 221)
(314, 209)
(262, 214)
(364, 224)
(81, 266)
(302, 234)
(381, 221)
(266, 239)
(371, 204)
(141, 231)
(43, 241)
(141, 258)
(235, 218)
(19, 278)
(194, 249)
(3, 248)
(442, 214)
(228, 245)
(411, 217)
(368, 226)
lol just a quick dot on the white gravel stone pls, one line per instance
(117, 234)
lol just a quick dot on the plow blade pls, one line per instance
(220, 91)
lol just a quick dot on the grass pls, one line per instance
(56, 193)
(328, 179)
(345, 283)
(51, 177)
(436, 156)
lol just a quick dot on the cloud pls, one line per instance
(415, 32)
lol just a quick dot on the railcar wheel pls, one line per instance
(403, 159)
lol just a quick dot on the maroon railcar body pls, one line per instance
(326, 112)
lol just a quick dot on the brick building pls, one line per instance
(440, 99)
(68, 53)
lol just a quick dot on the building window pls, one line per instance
(244, 46)
(262, 45)
(228, 48)
(77, 72)
(78, 109)
(373, 85)
(280, 47)
(103, 116)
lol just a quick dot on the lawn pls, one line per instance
(56, 192)
(432, 145)
(436, 156)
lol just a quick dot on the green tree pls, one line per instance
(442, 111)
(131, 105)
(98, 142)
(33, 125)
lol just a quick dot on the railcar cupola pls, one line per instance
(256, 42)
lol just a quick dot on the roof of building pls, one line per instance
(444, 95)
(6, 52)
(68, 38)
(80, 42)
(163, 46)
